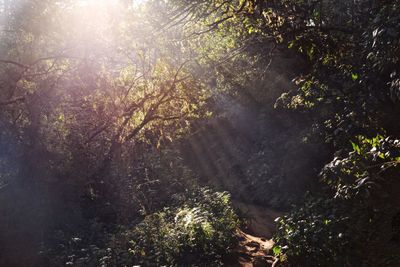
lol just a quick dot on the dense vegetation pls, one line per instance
(128, 127)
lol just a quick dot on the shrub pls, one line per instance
(197, 232)
(334, 227)
(318, 234)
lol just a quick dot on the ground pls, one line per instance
(254, 247)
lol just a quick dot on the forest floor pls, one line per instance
(254, 247)
(252, 251)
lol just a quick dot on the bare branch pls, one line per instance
(12, 101)
(97, 132)
(14, 63)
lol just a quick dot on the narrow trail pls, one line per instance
(219, 152)
(252, 251)
(254, 248)
(260, 220)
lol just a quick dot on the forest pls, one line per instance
(200, 133)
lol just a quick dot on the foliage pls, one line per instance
(332, 231)
(96, 99)
(201, 222)
(360, 173)
(204, 225)
(319, 234)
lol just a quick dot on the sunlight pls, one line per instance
(96, 2)
(106, 2)
(199, 133)
(92, 19)
(100, 12)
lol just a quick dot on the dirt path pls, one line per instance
(260, 221)
(219, 152)
(252, 251)
(254, 248)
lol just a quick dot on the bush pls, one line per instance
(318, 234)
(335, 227)
(197, 232)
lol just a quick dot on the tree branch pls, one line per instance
(20, 65)
(12, 101)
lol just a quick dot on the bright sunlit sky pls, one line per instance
(105, 2)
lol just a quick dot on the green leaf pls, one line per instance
(310, 52)
(276, 250)
(356, 148)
